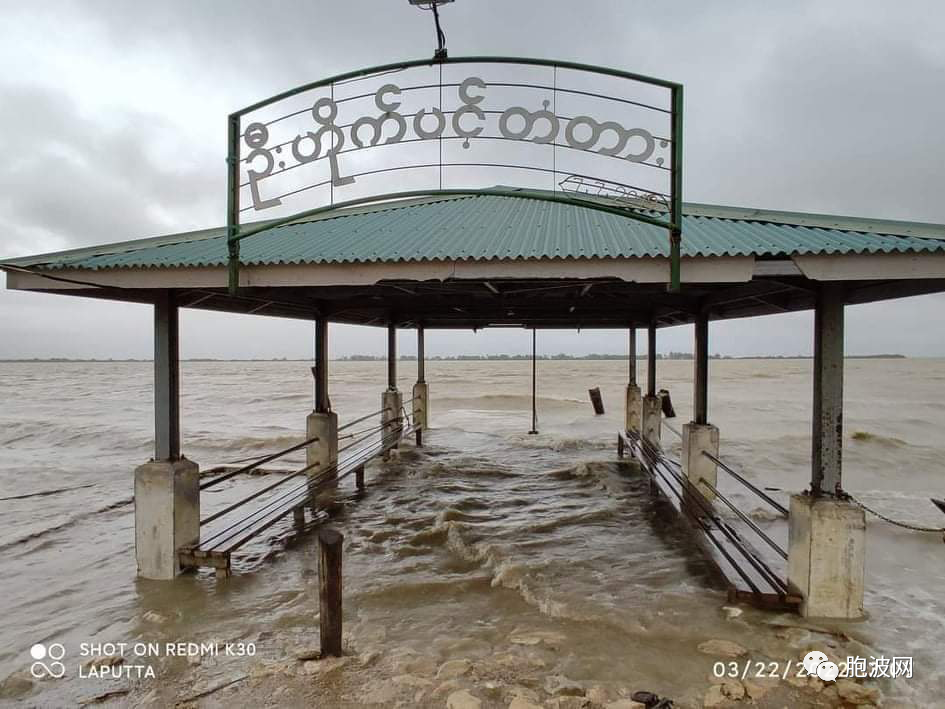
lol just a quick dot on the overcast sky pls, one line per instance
(112, 126)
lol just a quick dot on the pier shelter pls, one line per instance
(517, 260)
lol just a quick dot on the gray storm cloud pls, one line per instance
(112, 116)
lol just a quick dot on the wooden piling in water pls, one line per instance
(329, 590)
(359, 478)
(596, 400)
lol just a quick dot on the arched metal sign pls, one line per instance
(557, 131)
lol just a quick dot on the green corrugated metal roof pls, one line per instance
(497, 227)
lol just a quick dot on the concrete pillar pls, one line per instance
(167, 489)
(167, 515)
(391, 420)
(697, 438)
(826, 556)
(652, 419)
(324, 451)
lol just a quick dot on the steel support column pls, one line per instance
(166, 378)
(534, 428)
(651, 360)
(632, 357)
(827, 440)
(421, 356)
(391, 357)
(322, 402)
(700, 379)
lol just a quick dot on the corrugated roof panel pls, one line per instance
(487, 228)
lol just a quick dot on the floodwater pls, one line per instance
(483, 533)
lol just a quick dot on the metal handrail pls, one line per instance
(746, 519)
(637, 440)
(296, 496)
(257, 463)
(767, 498)
(704, 504)
(363, 418)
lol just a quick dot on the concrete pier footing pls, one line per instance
(392, 402)
(698, 438)
(652, 413)
(421, 397)
(324, 451)
(633, 408)
(167, 515)
(826, 556)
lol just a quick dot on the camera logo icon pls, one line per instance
(51, 654)
(816, 663)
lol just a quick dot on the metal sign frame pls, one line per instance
(631, 209)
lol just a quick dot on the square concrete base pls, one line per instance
(392, 401)
(826, 556)
(421, 397)
(697, 438)
(633, 408)
(652, 419)
(167, 515)
(324, 451)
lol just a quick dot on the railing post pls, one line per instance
(329, 590)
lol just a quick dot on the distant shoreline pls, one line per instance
(454, 358)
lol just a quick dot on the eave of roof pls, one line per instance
(484, 228)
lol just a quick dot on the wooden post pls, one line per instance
(329, 590)
(359, 477)
(298, 515)
(596, 401)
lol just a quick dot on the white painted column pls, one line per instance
(167, 489)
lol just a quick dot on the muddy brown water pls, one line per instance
(484, 533)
